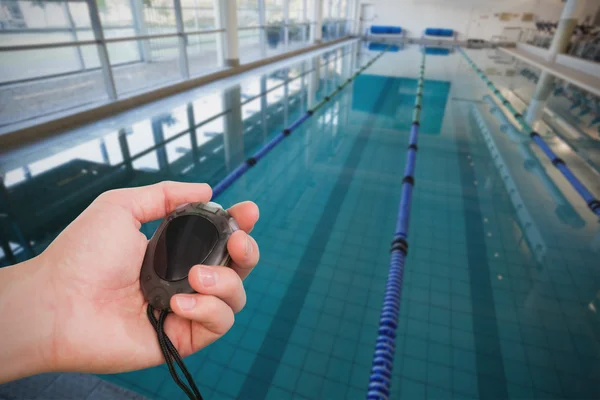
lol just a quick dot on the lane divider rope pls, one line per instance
(558, 162)
(255, 158)
(385, 345)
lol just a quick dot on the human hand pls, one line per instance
(82, 294)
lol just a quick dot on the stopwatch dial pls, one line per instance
(187, 241)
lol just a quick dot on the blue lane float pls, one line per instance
(385, 345)
(373, 46)
(256, 157)
(439, 32)
(559, 163)
(437, 51)
(385, 30)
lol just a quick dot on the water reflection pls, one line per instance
(564, 210)
(528, 226)
(201, 140)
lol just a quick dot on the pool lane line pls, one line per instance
(558, 162)
(250, 162)
(268, 357)
(385, 345)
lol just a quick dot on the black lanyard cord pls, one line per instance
(171, 354)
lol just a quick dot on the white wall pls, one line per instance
(470, 18)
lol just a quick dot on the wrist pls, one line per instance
(26, 331)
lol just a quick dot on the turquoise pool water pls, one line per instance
(501, 286)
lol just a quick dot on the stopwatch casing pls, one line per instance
(195, 233)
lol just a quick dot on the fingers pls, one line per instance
(211, 312)
(221, 282)
(245, 214)
(149, 203)
(244, 253)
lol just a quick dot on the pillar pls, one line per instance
(233, 140)
(313, 81)
(226, 11)
(542, 92)
(568, 21)
(316, 32)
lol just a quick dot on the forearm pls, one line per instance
(25, 329)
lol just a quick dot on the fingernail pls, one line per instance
(249, 247)
(185, 302)
(207, 276)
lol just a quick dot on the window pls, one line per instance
(247, 11)
(70, 77)
(274, 11)
(297, 11)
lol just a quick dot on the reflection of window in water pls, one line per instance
(148, 162)
(207, 106)
(209, 130)
(250, 88)
(178, 122)
(90, 151)
(275, 95)
(295, 86)
(139, 137)
(251, 108)
(14, 177)
(296, 70)
(274, 81)
(178, 148)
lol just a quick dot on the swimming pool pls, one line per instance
(501, 283)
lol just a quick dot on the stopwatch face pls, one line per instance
(187, 241)
(195, 233)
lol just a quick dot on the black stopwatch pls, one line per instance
(195, 233)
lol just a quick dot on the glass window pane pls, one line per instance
(296, 10)
(124, 18)
(327, 9)
(343, 9)
(275, 38)
(158, 17)
(70, 86)
(159, 63)
(198, 14)
(116, 14)
(298, 35)
(274, 11)
(34, 22)
(247, 11)
(202, 53)
(249, 42)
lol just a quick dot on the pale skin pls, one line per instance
(78, 305)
